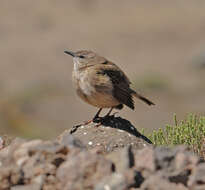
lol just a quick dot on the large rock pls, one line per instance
(123, 160)
(115, 133)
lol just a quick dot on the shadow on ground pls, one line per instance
(117, 123)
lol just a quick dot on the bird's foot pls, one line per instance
(102, 120)
(114, 114)
(75, 127)
(97, 120)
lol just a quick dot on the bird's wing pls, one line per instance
(120, 83)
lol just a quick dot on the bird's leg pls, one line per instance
(108, 114)
(96, 118)
(107, 117)
(101, 120)
(97, 114)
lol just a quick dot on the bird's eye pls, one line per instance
(81, 56)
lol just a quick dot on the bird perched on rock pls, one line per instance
(101, 83)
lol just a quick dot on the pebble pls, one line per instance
(119, 130)
(90, 142)
(107, 187)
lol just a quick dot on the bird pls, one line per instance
(101, 83)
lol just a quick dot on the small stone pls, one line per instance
(83, 170)
(107, 187)
(123, 159)
(198, 176)
(114, 182)
(144, 159)
(157, 182)
(121, 131)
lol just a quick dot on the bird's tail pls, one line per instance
(142, 98)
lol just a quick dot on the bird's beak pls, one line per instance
(70, 53)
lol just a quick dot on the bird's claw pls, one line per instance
(97, 119)
(106, 118)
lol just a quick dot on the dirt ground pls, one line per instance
(159, 44)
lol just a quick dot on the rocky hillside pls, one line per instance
(99, 158)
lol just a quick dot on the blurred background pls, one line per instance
(159, 44)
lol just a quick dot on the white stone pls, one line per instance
(90, 143)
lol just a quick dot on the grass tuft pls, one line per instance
(190, 132)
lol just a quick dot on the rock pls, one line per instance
(27, 187)
(197, 179)
(114, 182)
(10, 175)
(68, 140)
(174, 159)
(177, 163)
(113, 135)
(5, 140)
(145, 160)
(83, 171)
(6, 154)
(157, 182)
(121, 161)
(33, 163)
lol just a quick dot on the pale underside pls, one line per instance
(95, 89)
(100, 100)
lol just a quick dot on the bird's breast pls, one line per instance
(82, 82)
(97, 96)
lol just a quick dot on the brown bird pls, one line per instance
(101, 83)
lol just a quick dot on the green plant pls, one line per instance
(190, 132)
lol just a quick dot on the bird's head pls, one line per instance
(84, 58)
